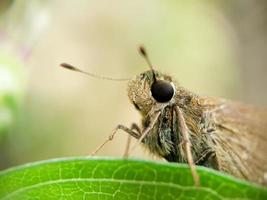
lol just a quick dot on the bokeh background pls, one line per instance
(215, 48)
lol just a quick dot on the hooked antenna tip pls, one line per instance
(142, 50)
(68, 66)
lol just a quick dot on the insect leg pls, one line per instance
(187, 144)
(207, 159)
(119, 127)
(146, 130)
(138, 130)
(134, 126)
(126, 151)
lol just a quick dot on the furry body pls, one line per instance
(224, 135)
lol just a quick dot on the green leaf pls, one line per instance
(100, 178)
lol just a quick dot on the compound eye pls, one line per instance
(162, 91)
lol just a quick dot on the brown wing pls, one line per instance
(240, 139)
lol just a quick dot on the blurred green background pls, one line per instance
(215, 48)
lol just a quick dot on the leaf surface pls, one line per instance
(102, 178)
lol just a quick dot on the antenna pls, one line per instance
(143, 52)
(71, 67)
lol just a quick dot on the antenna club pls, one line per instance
(142, 50)
(68, 66)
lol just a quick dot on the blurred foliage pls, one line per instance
(98, 178)
(4, 5)
(20, 26)
(198, 42)
(11, 90)
(62, 107)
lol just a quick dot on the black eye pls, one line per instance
(162, 91)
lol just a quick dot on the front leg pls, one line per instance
(135, 134)
(135, 127)
(208, 158)
(147, 130)
(186, 144)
